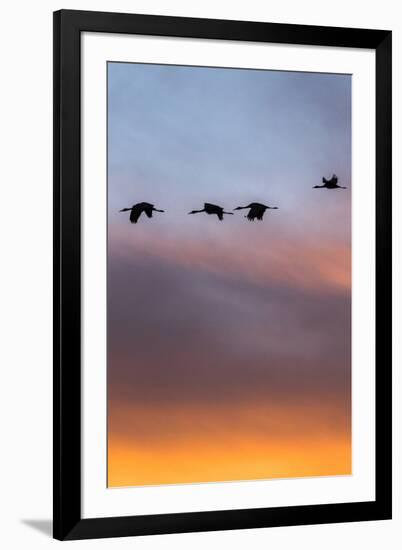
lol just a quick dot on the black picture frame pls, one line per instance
(68, 523)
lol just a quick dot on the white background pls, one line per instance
(25, 274)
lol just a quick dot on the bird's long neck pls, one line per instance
(231, 213)
(198, 211)
(156, 210)
(242, 207)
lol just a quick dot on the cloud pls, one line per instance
(188, 334)
(170, 443)
(295, 261)
(260, 417)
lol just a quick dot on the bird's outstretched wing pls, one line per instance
(148, 211)
(220, 215)
(134, 215)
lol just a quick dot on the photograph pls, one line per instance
(228, 274)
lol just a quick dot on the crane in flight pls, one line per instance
(137, 209)
(212, 209)
(257, 210)
(329, 184)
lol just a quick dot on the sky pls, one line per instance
(229, 342)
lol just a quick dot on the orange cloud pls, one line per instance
(294, 261)
(245, 459)
(273, 433)
(247, 441)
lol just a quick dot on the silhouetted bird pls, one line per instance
(138, 209)
(257, 210)
(212, 209)
(329, 184)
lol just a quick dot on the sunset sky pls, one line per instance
(228, 342)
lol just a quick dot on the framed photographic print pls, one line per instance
(222, 274)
